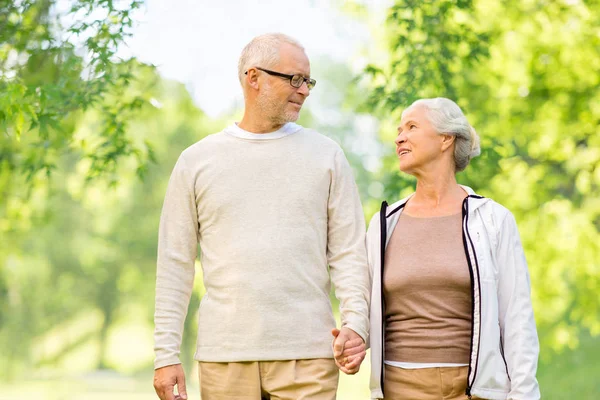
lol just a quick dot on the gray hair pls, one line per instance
(447, 118)
(263, 51)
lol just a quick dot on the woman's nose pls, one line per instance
(400, 138)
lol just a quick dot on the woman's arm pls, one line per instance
(517, 324)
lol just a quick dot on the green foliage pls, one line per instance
(77, 252)
(437, 40)
(86, 247)
(59, 66)
(336, 117)
(55, 65)
(526, 75)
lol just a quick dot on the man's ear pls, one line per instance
(447, 141)
(252, 78)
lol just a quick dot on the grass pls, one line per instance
(102, 385)
(574, 374)
(130, 348)
(570, 375)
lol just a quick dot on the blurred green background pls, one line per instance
(89, 138)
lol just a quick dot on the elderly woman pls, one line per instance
(451, 313)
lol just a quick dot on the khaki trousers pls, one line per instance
(314, 379)
(449, 383)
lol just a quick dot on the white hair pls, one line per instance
(447, 118)
(263, 51)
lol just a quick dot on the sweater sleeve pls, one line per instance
(346, 252)
(177, 249)
(517, 324)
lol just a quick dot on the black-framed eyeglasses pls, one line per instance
(295, 80)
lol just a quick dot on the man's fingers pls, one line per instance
(350, 351)
(181, 386)
(338, 345)
(348, 371)
(340, 366)
(344, 370)
(355, 361)
(353, 371)
(165, 391)
(354, 343)
(158, 391)
(353, 366)
(165, 380)
(168, 393)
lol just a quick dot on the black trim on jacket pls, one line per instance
(383, 236)
(465, 236)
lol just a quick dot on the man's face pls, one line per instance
(278, 100)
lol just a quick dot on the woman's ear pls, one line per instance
(447, 141)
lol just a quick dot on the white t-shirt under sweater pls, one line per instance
(271, 212)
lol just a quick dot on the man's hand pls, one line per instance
(349, 350)
(166, 378)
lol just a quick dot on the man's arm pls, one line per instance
(346, 254)
(353, 352)
(177, 249)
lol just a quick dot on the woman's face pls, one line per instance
(417, 144)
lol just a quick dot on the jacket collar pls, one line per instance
(475, 201)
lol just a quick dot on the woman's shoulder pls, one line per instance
(496, 209)
(498, 219)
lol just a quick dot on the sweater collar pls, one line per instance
(286, 130)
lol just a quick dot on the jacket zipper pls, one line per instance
(383, 234)
(466, 241)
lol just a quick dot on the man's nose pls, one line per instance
(303, 89)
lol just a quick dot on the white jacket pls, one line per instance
(504, 342)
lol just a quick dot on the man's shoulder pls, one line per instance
(205, 145)
(320, 139)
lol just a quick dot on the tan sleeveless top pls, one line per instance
(427, 290)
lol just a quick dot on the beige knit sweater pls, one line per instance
(271, 212)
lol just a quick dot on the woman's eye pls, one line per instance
(412, 126)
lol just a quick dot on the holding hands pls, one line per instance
(349, 350)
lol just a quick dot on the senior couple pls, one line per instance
(440, 291)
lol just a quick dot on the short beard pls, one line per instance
(273, 110)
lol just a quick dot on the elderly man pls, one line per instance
(276, 212)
